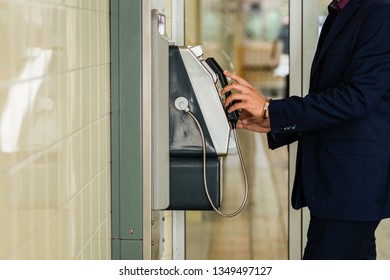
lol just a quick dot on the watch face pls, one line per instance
(266, 104)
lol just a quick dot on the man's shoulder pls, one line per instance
(375, 10)
(375, 3)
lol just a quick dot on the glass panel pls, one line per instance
(250, 38)
(320, 8)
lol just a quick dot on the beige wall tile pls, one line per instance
(54, 129)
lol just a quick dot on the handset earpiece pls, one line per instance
(233, 116)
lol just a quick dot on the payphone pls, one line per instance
(200, 130)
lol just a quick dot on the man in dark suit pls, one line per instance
(342, 127)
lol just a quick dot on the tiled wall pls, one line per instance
(54, 129)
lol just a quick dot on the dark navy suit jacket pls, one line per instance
(343, 124)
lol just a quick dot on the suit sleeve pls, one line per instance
(276, 141)
(363, 84)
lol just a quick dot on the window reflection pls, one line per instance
(250, 38)
(21, 98)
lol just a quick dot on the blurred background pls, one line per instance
(71, 188)
(249, 38)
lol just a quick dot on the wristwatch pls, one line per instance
(265, 109)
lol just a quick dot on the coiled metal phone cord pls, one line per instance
(182, 104)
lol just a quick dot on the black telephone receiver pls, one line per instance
(233, 116)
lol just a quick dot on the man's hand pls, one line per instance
(249, 101)
(258, 124)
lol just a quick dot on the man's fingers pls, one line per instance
(239, 98)
(234, 86)
(238, 79)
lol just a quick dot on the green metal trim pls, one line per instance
(126, 84)
(131, 250)
(116, 249)
(126, 250)
(130, 54)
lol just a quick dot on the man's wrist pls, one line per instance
(265, 113)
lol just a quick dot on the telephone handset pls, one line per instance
(194, 85)
(212, 63)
